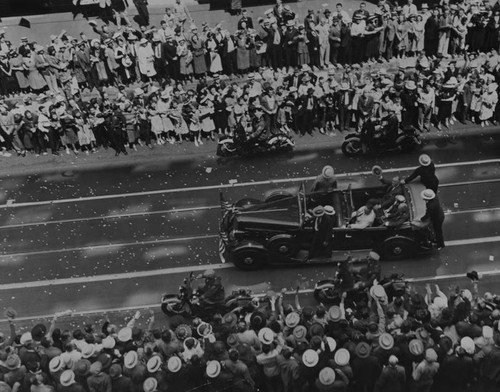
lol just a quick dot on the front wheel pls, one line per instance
(352, 147)
(249, 259)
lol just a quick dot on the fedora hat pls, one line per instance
(130, 360)
(377, 170)
(292, 319)
(424, 160)
(266, 335)
(362, 350)
(154, 364)
(115, 371)
(67, 378)
(82, 368)
(174, 364)
(230, 318)
(416, 347)
(316, 329)
(56, 364)
(326, 376)
(150, 384)
(213, 369)
(377, 291)
(299, 332)
(386, 341)
(342, 357)
(257, 320)
(232, 340)
(428, 194)
(183, 331)
(328, 172)
(310, 358)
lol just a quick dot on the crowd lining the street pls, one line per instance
(324, 73)
(404, 341)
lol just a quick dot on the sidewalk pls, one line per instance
(42, 26)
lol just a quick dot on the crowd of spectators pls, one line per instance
(403, 342)
(330, 73)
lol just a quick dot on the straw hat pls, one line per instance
(292, 319)
(310, 358)
(386, 341)
(174, 364)
(154, 364)
(213, 369)
(326, 376)
(424, 160)
(67, 378)
(428, 194)
(342, 357)
(266, 335)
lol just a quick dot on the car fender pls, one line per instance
(399, 237)
(352, 136)
(249, 244)
(226, 140)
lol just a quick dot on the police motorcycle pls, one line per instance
(252, 138)
(356, 277)
(379, 136)
(189, 301)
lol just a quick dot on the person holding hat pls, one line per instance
(325, 182)
(434, 214)
(427, 173)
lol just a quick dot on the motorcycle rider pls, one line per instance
(212, 293)
(258, 131)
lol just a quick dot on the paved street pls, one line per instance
(99, 239)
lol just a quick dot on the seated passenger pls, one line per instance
(365, 215)
(399, 217)
(392, 189)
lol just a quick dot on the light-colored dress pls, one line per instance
(215, 61)
(35, 79)
(489, 102)
(145, 59)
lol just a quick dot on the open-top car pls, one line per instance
(279, 229)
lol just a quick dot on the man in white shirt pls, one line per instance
(426, 100)
(365, 216)
(341, 15)
(324, 43)
(409, 9)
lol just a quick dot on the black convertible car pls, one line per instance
(254, 233)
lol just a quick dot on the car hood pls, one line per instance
(277, 215)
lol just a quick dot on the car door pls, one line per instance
(352, 239)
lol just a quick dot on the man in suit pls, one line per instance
(321, 244)
(245, 19)
(160, 62)
(308, 105)
(295, 79)
(431, 35)
(435, 214)
(290, 44)
(170, 52)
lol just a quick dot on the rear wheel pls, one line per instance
(249, 259)
(397, 248)
(352, 147)
(277, 195)
(286, 247)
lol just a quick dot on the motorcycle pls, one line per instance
(239, 145)
(356, 144)
(355, 278)
(187, 302)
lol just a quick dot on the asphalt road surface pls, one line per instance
(117, 238)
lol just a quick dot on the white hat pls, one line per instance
(56, 364)
(377, 291)
(143, 41)
(150, 384)
(174, 364)
(329, 210)
(108, 342)
(332, 344)
(88, 350)
(204, 329)
(125, 334)
(326, 376)
(487, 332)
(25, 338)
(428, 194)
(374, 255)
(342, 357)
(310, 358)
(292, 319)
(440, 302)
(424, 160)
(130, 359)
(266, 335)
(468, 345)
(138, 91)
(213, 369)
(67, 378)
(154, 364)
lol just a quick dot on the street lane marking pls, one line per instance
(115, 245)
(175, 270)
(114, 216)
(472, 211)
(223, 186)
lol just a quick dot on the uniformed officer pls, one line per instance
(435, 214)
(326, 181)
(427, 173)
